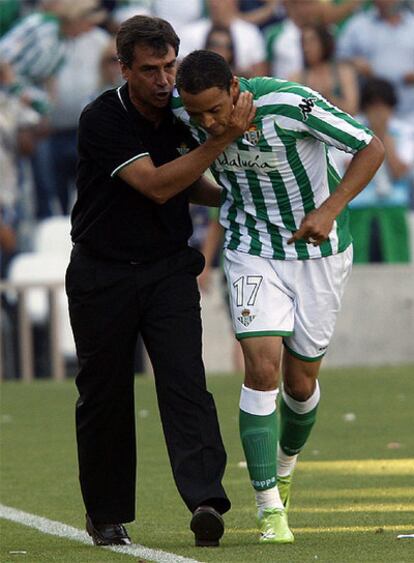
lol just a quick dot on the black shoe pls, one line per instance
(208, 526)
(107, 534)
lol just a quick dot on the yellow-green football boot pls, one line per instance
(274, 527)
(283, 484)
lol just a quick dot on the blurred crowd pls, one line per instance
(56, 55)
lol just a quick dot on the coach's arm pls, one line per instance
(164, 182)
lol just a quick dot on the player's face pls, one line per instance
(211, 109)
(151, 77)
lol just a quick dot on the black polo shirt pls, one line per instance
(110, 218)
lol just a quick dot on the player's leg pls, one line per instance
(318, 285)
(257, 418)
(298, 408)
(262, 312)
(258, 423)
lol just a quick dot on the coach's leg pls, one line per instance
(172, 335)
(104, 323)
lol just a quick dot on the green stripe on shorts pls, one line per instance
(242, 335)
(304, 358)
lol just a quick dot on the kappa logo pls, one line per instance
(246, 318)
(306, 107)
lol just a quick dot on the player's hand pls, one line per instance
(241, 116)
(314, 228)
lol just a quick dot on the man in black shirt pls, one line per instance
(131, 272)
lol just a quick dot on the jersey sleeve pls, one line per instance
(107, 137)
(301, 111)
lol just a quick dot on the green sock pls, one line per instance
(294, 428)
(259, 439)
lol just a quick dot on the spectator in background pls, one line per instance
(283, 41)
(17, 135)
(249, 51)
(336, 12)
(179, 14)
(18, 123)
(110, 75)
(77, 80)
(378, 215)
(380, 42)
(337, 82)
(125, 9)
(220, 40)
(261, 12)
(35, 49)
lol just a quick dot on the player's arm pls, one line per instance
(317, 118)
(164, 182)
(204, 192)
(316, 225)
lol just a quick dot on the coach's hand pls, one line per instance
(315, 227)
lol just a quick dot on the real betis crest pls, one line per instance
(183, 149)
(252, 135)
(246, 318)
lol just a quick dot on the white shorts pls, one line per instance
(295, 299)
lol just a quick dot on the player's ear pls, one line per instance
(234, 89)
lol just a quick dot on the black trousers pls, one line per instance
(110, 303)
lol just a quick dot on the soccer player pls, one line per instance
(287, 253)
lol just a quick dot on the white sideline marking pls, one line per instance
(64, 531)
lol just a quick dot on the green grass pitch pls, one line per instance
(353, 491)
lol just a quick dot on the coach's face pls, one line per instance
(211, 109)
(150, 78)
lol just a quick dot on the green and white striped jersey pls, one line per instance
(281, 169)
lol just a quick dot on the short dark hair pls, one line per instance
(376, 90)
(155, 33)
(201, 70)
